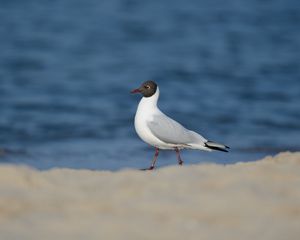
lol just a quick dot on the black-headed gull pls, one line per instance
(162, 132)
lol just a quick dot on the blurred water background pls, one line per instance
(229, 70)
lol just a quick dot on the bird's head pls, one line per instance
(147, 89)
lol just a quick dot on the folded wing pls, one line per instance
(172, 132)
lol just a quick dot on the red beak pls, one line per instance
(135, 91)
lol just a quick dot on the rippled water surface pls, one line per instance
(229, 71)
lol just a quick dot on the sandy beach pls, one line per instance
(253, 200)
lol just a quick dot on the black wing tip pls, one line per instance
(217, 148)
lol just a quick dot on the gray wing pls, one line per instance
(170, 131)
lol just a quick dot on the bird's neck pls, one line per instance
(150, 102)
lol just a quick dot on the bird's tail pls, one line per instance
(216, 146)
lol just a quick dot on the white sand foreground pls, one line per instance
(255, 200)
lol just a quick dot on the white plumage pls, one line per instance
(161, 131)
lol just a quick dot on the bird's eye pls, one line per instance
(147, 86)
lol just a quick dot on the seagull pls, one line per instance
(161, 131)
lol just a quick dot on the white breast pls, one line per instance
(145, 111)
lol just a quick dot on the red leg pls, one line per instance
(180, 162)
(154, 160)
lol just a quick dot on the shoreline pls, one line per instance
(245, 200)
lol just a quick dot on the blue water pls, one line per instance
(230, 71)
